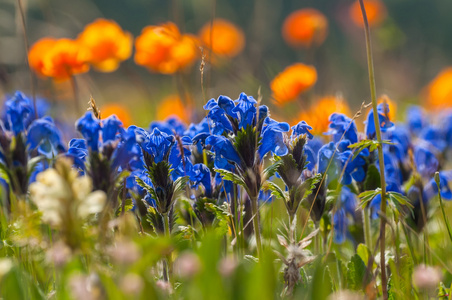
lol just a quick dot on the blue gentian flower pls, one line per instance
(326, 154)
(342, 127)
(181, 164)
(436, 136)
(416, 119)
(272, 138)
(217, 115)
(385, 123)
(340, 226)
(158, 144)
(348, 200)
(45, 136)
(224, 151)
(89, 127)
(426, 162)
(170, 126)
(18, 110)
(200, 174)
(78, 151)
(110, 128)
(431, 189)
(246, 109)
(126, 150)
(302, 128)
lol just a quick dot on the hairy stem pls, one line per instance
(373, 94)
(367, 229)
(255, 216)
(167, 264)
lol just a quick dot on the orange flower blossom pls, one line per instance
(164, 49)
(291, 82)
(120, 110)
(107, 43)
(172, 106)
(438, 93)
(305, 28)
(223, 38)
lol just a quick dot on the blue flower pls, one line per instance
(354, 168)
(426, 162)
(311, 158)
(326, 154)
(342, 127)
(170, 126)
(431, 188)
(435, 136)
(340, 226)
(227, 105)
(217, 115)
(246, 109)
(400, 139)
(385, 123)
(272, 138)
(18, 110)
(158, 144)
(200, 174)
(416, 119)
(224, 151)
(126, 150)
(110, 128)
(348, 200)
(89, 127)
(301, 128)
(78, 152)
(180, 162)
(45, 136)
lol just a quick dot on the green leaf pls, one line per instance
(372, 181)
(276, 190)
(371, 144)
(357, 273)
(367, 196)
(227, 175)
(400, 281)
(179, 184)
(270, 170)
(32, 164)
(399, 198)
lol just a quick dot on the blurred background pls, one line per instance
(412, 43)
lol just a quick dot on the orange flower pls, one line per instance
(164, 49)
(375, 11)
(59, 59)
(305, 28)
(438, 93)
(225, 39)
(291, 82)
(108, 44)
(172, 106)
(37, 52)
(319, 113)
(119, 110)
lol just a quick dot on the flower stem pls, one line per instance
(446, 221)
(373, 95)
(167, 264)
(367, 230)
(255, 216)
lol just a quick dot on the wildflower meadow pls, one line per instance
(207, 150)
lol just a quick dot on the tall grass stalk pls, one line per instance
(446, 221)
(373, 94)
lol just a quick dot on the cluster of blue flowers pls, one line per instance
(222, 158)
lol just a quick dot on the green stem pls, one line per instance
(409, 243)
(446, 221)
(384, 280)
(255, 216)
(167, 267)
(367, 229)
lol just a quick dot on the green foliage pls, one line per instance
(358, 276)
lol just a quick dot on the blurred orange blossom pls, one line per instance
(107, 43)
(291, 82)
(305, 28)
(375, 11)
(319, 113)
(438, 93)
(164, 49)
(59, 59)
(172, 106)
(120, 110)
(223, 38)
